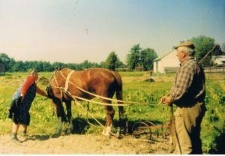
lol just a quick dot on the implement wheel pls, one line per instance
(142, 129)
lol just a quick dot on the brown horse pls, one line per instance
(66, 84)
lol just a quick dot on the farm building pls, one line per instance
(166, 63)
(219, 60)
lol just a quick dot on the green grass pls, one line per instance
(135, 88)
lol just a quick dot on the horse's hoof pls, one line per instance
(107, 134)
(106, 131)
(68, 131)
(56, 135)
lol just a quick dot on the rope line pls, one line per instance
(100, 103)
(123, 103)
(79, 104)
(101, 97)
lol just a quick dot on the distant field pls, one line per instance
(136, 87)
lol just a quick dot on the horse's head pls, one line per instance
(49, 87)
(50, 92)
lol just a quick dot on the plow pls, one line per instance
(150, 131)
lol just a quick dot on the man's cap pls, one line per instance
(185, 44)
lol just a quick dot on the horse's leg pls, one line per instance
(121, 111)
(122, 115)
(60, 114)
(69, 117)
(109, 120)
(119, 96)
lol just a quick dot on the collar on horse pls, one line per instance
(68, 80)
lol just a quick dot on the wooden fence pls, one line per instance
(206, 69)
(214, 69)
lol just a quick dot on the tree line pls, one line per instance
(137, 58)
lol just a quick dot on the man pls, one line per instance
(188, 94)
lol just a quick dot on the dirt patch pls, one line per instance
(82, 144)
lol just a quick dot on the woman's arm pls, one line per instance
(41, 92)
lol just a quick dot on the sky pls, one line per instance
(72, 31)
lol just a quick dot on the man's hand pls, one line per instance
(167, 100)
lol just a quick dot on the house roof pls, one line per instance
(159, 58)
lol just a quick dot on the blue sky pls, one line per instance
(72, 31)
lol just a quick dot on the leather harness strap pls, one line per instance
(68, 80)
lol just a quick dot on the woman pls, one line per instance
(21, 103)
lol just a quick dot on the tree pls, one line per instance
(57, 65)
(203, 45)
(47, 66)
(141, 58)
(86, 64)
(18, 66)
(12, 62)
(112, 62)
(5, 60)
(133, 58)
(146, 58)
(217, 50)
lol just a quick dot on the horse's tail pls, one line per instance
(119, 92)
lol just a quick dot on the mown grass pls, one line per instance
(136, 88)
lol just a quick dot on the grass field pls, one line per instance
(137, 88)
